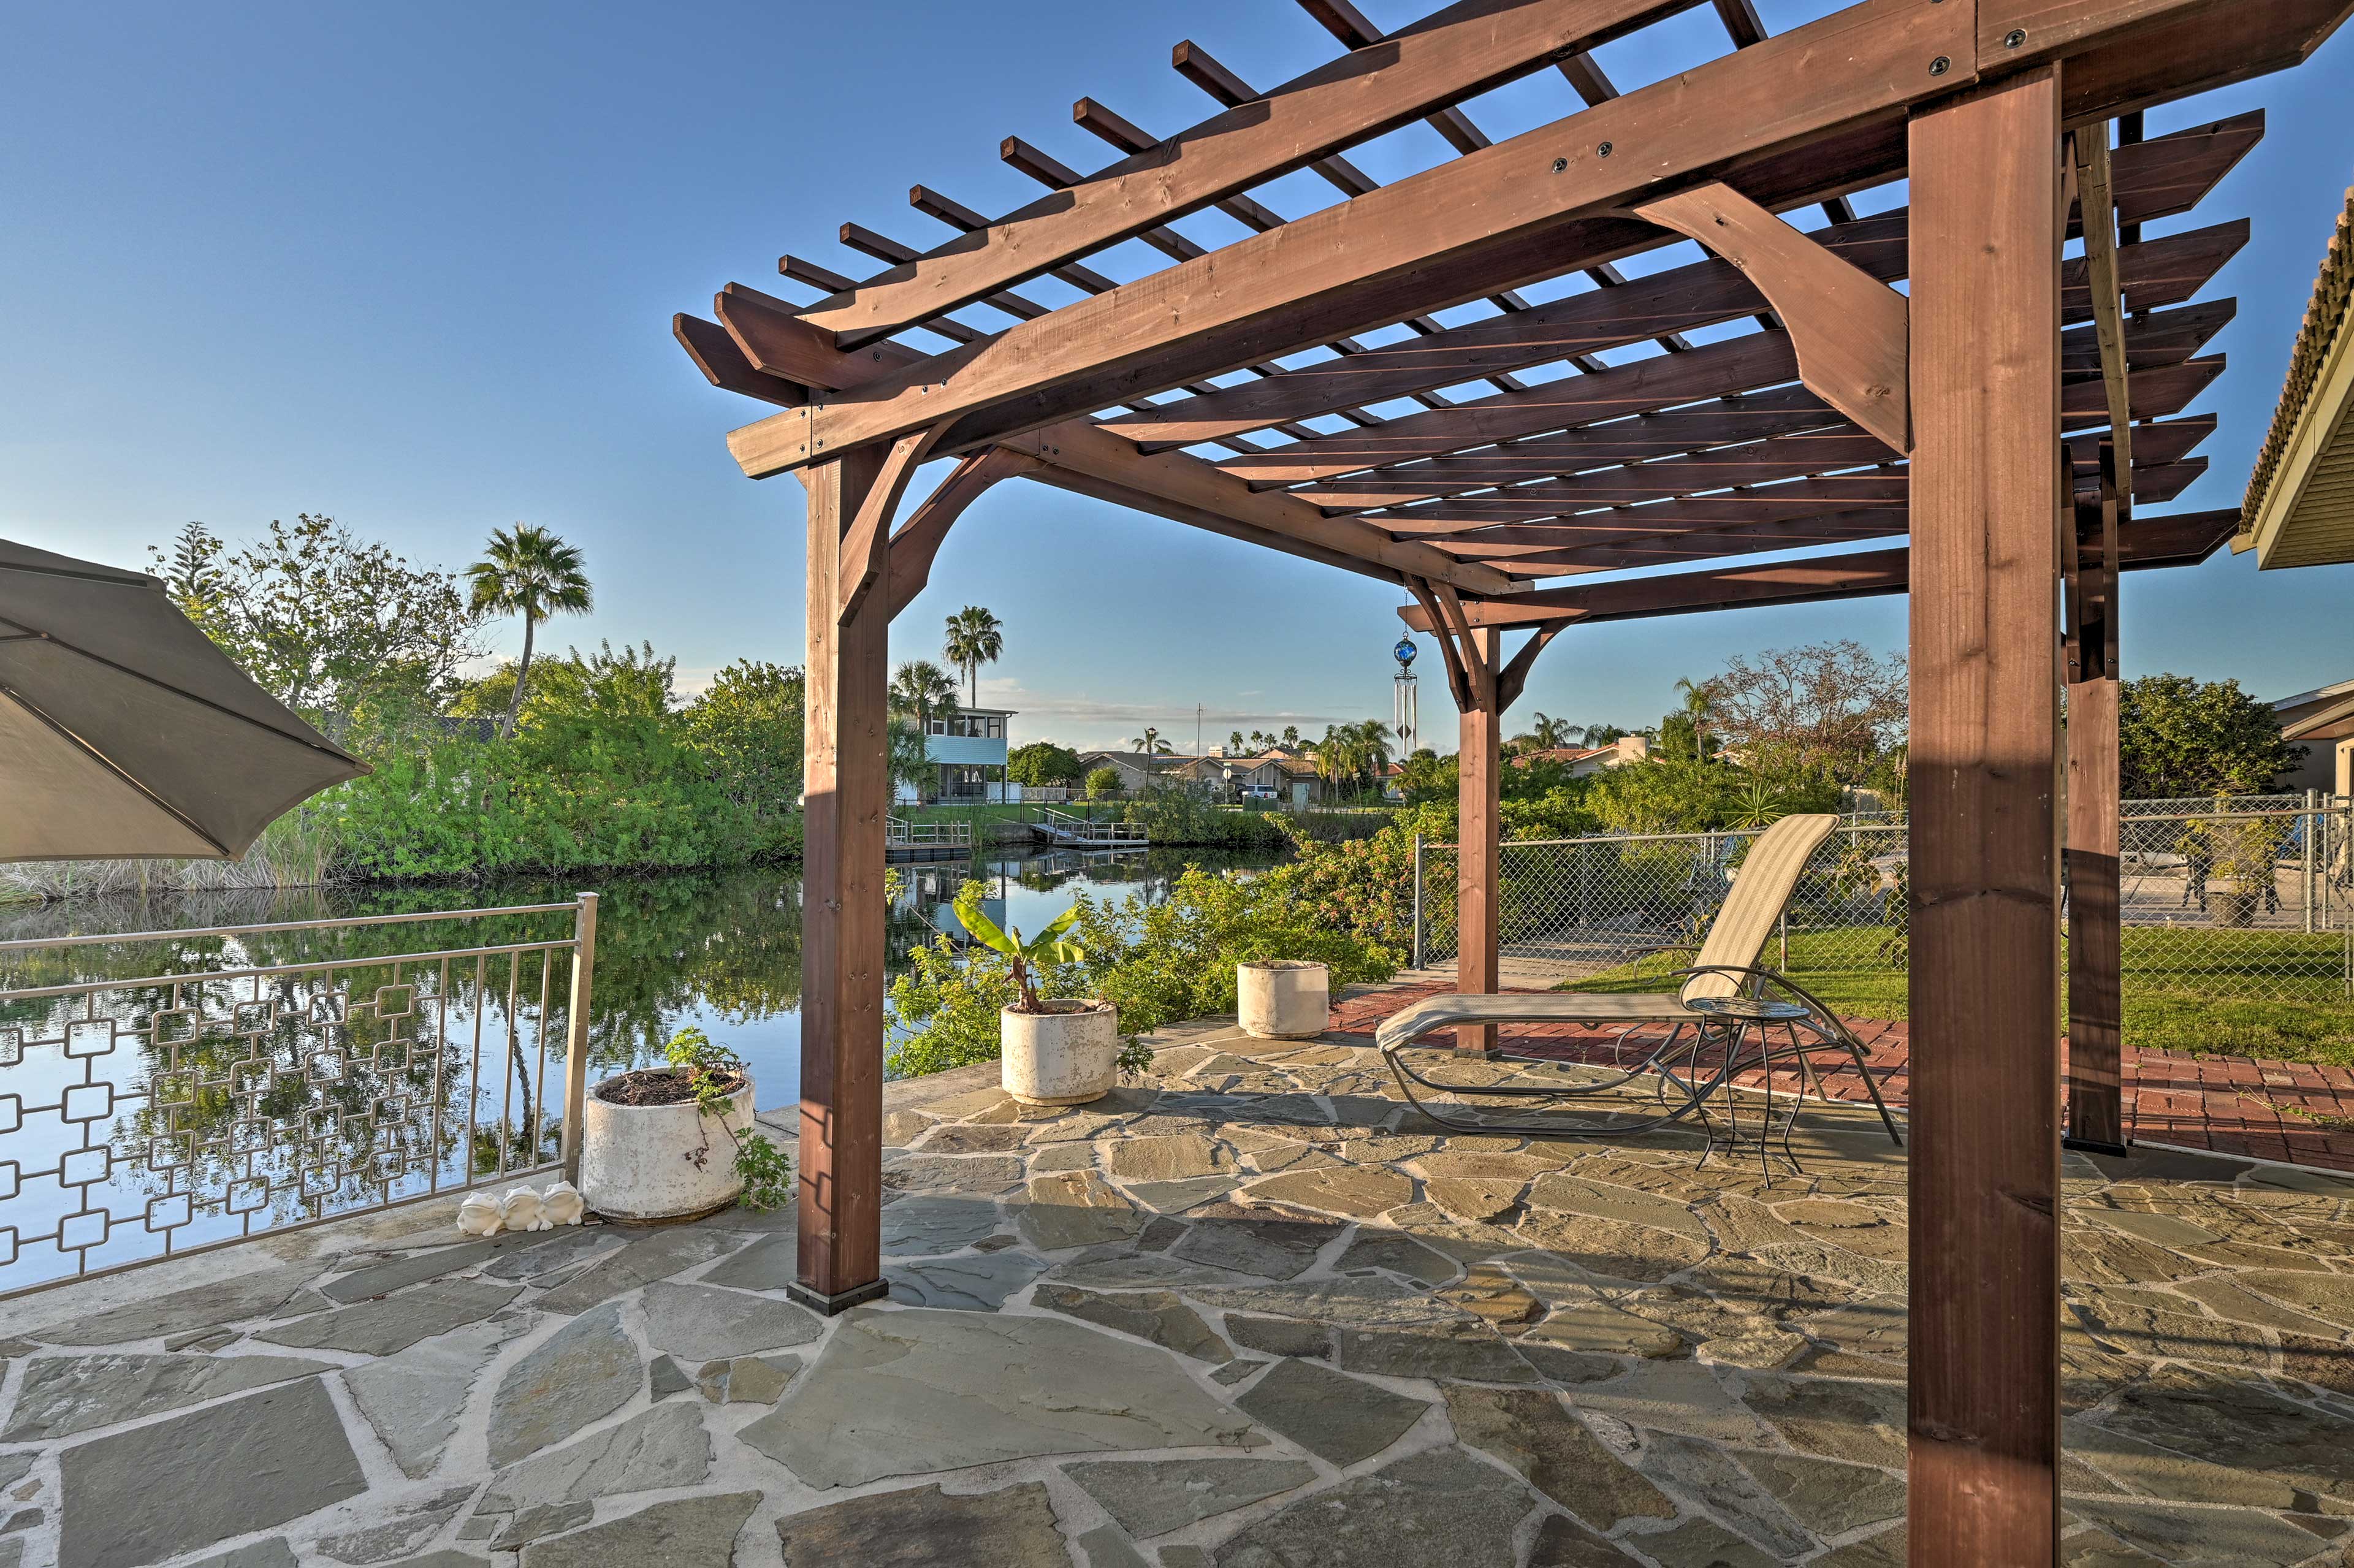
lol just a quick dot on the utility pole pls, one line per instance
(1197, 729)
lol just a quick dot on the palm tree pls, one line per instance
(1150, 744)
(1235, 743)
(1700, 700)
(530, 572)
(920, 690)
(1552, 734)
(975, 638)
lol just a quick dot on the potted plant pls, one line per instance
(1062, 1052)
(1283, 999)
(676, 1142)
(2240, 856)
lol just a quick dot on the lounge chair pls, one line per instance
(1725, 968)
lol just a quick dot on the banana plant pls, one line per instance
(1048, 947)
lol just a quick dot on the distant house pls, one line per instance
(970, 748)
(2322, 721)
(1582, 761)
(1136, 769)
(1282, 774)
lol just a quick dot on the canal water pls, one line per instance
(142, 1112)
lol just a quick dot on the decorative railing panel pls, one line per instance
(255, 1079)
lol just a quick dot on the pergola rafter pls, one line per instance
(2006, 412)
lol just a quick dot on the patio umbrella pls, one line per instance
(126, 733)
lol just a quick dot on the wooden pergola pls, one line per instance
(2008, 412)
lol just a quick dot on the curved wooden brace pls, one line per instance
(1852, 332)
(866, 543)
(918, 539)
(1514, 678)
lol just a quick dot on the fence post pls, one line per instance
(576, 1032)
(2312, 826)
(1417, 901)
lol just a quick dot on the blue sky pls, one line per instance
(414, 266)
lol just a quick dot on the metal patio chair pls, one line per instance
(1724, 969)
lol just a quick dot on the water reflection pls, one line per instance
(202, 1109)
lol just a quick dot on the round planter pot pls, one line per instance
(1066, 1056)
(1283, 999)
(636, 1163)
(2234, 907)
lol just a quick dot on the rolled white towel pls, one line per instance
(520, 1210)
(478, 1214)
(561, 1204)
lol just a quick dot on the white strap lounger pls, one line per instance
(1724, 967)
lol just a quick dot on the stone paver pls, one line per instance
(923, 1526)
(697, 1323)
(267, 1458)
(908, 1393)
(1336, 1418)
(382, 1328)
(1457, 1350)
(61, 1395)
(690, 1532)
(588, 1369)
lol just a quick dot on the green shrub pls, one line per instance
(1157, 963)
(1103, 781)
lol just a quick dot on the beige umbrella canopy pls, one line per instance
(126, 733)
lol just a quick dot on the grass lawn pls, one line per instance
(2276, 994)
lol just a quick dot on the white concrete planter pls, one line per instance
(1283, 999)
(1067, 1055)
(637, 1161)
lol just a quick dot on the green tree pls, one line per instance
(1044, 764)
(750, 723)
(1103, 781)
(921, 692)
(1234, 742)
(341, 630)
(526, 570)
(975, 638)
(1150, 744)
(2178, 737)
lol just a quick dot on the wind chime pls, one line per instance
(1405, 718)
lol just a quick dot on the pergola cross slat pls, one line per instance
(2006, 413)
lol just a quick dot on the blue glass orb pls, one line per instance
(1404, 652)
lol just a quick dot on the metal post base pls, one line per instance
(2094, 1145)
(833, 1306)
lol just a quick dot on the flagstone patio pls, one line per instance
(1244, 1313)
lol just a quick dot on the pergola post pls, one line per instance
(847, 779)
(1479, 834)
(2096, 937)
(2095, 930)
(1984, 977)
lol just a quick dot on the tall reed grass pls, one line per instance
(298, 850)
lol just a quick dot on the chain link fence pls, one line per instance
(2239, 917)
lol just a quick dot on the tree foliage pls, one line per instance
(1831, 709)
(975, 638)
(526, 570)
(2178, 737)
(1045, 765)
(342, 630)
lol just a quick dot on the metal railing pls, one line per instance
(2239, 915)
(1065, 828)
(242, 1079)
(899, 833)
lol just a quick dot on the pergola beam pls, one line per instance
(2182, 540)
(2160, 178)
(1408, 248)
(1459, 52)
(761, 334)
(1720, 431)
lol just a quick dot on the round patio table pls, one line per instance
(1728, 1022)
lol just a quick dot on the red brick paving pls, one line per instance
(2293, 1112)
